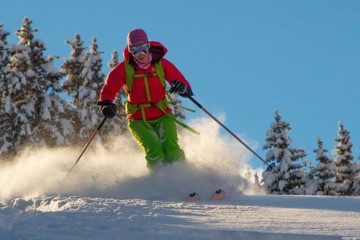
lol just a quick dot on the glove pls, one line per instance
(180, 88)
(107, 108)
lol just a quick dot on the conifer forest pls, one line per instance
(45, 107)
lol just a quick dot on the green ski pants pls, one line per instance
(158, 139)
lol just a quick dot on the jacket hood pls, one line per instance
(157, 50)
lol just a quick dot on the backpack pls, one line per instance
(162, 105)
(129, 69)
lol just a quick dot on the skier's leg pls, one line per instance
(148, 140)
(167, 132)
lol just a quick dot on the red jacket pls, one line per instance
(117, 79)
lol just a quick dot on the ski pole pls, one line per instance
(269, 168)
(87, 144)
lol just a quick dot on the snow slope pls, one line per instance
(111, 195)
(249, 217)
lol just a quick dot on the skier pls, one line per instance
(142, 73)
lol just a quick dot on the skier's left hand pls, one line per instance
(180, 88)
(107, 108)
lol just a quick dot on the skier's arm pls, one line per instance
(114, 82)
(172, 73)
(176, 79)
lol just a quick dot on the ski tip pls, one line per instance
(218, 195)
(193, 197)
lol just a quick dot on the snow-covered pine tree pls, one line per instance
(287, 176)
(9, 137)
(89, 90)
(55, 126)
(22, 88)
(325, 169)
(114, 59)
(7, 108)
(311, 184)
(31, 104)
(73, 68)
(4, 58)
(4, 62)
(346, 168)
(42, 83)
(311, 172)
(14, 99)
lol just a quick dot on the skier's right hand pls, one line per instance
(107, 108)
(180, 88)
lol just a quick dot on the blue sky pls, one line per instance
(244, 59)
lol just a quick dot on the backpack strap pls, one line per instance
(163, 104)
(129, 76)
(129, 69)
(160, 72)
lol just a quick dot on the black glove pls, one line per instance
(107, 108)
(180, 88)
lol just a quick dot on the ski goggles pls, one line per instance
(139, 49)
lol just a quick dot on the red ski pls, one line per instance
(217, 195)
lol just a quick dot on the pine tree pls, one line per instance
(311, 172)
(31, 104)
(8, 138)
(114, 59)
(7, 108)
(4, 63)
(73, 68)
(23, 89)
(54, 127)
(345, 168)
(89, 90)
(42, 84)
(324, 171)
(287, 176)
(311, 184)
(14, 99)
(4, 59)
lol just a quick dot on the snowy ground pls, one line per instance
(249, 217)
(111, 195)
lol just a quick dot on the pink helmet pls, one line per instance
(137, 37)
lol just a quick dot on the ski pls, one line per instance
(193, 197)
(217, 196)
